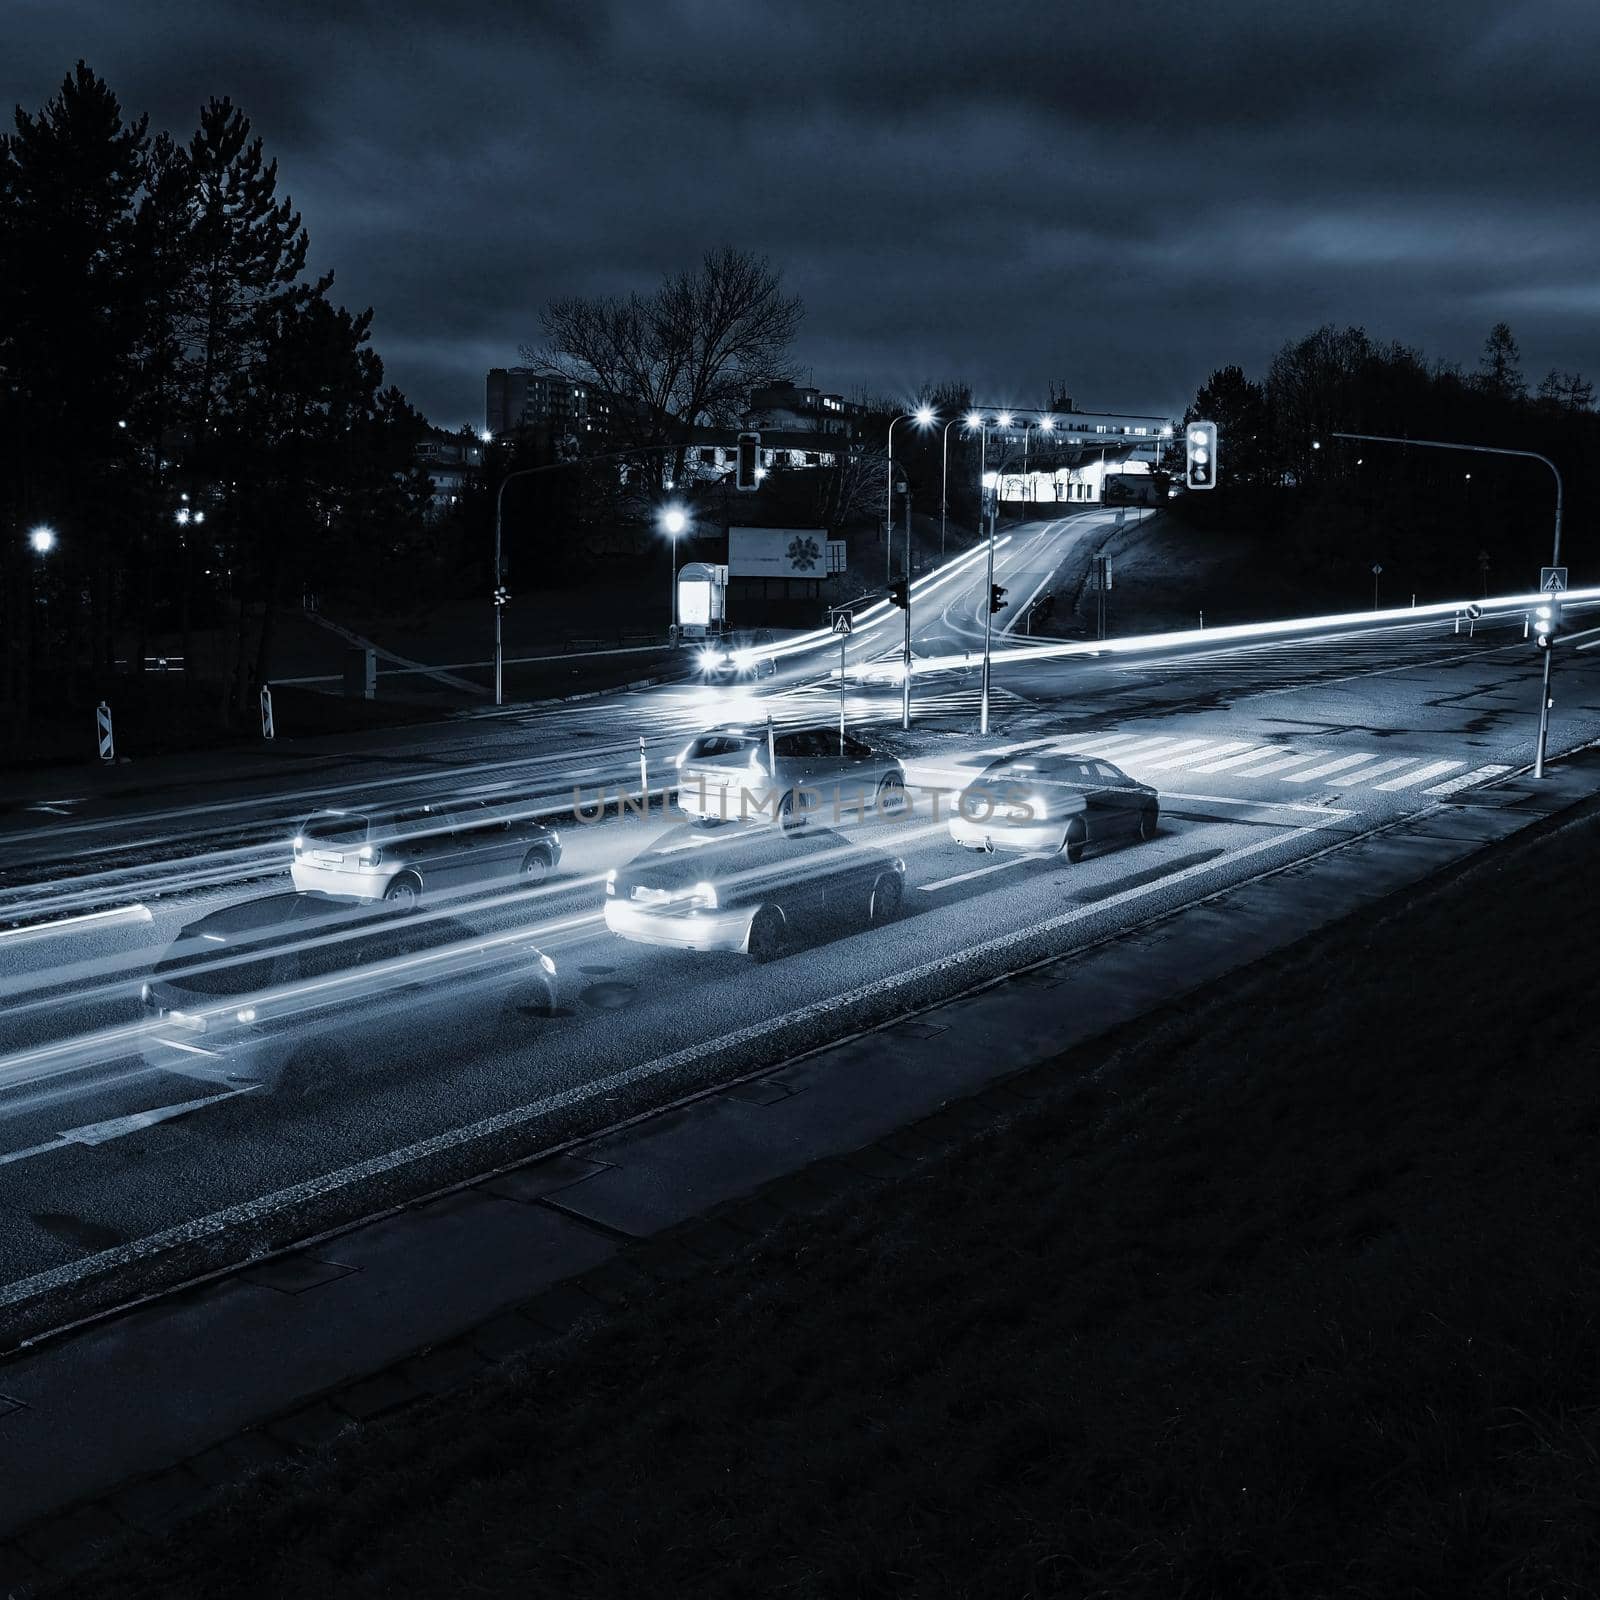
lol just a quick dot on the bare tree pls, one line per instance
(686, 355)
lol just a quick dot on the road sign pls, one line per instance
(1474, 611)
(102, 720)
(1376, 569)
(1552, 580)
(841, 622)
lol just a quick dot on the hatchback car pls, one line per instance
(750, 889)
(730, 775)
(1053, 803)
(400, 855)
(244, 993)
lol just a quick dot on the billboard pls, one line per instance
(777, 553)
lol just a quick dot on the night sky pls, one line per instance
(1117, 197)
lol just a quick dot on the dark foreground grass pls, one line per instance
(1288, 1291)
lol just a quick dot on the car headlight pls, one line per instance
(144, 994)
(247, 1015)
(704, 894)
(548, 965)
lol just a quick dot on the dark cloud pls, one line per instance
(1012, 194)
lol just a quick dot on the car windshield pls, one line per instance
(720, 744)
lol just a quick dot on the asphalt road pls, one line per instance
(115, 1178)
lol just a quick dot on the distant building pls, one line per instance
(789, 408)
(519, 397)
(449, 459)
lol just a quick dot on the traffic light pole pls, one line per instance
(988, 626)
(1544, 717)
(1555, 552)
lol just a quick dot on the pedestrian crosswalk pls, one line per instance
(1141, 755)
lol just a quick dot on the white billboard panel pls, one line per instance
(777, 553)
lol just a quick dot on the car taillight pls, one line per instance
(704, 894)
(611, 880)
(370, 855)
(757, 766)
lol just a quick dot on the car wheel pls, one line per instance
(1149, 822)
(788, 814)
(535, 867)
(891, 797)
(403, 892)
(1076, 837)
(887, 893)
(769, 934)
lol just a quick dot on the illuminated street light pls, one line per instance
(673, 521)
(923, 417)
(183, 516)
(42, 539)
(1047, 423)
(1004, 419)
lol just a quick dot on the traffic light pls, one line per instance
(1200, 454)
(747, 473)
(1547, 622)
(900, 593)
(997, 598)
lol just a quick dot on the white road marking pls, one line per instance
(1327, 767)
(1466, 779)
(98, 1133)
(300, 1194)
(1331, 812)
(1258, 770)
(983, 872)
(1366, 774)
(1182, 756)
(1434, 769)
(102, 919)
(1236, 761)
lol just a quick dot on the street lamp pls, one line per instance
(1555, 549)
(673, 522)
(42, 539)
(923, 417)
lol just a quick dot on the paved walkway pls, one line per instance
(125, 1426)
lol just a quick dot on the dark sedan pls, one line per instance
(295, 981)
(751, 889)
(1049, 803)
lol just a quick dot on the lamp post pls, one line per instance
(988, 603)
(499, 596)
(1555, 549)
(923, 417)
(673, 522)
(944, 475)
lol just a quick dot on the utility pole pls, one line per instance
(988, 621)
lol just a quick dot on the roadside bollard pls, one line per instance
(102, 721)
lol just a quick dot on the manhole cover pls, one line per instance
(610, 996)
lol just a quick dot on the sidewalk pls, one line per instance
(126, 1425)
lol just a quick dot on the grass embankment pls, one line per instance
(1290, 1290)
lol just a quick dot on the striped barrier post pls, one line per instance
(267, 730)
(102, 722)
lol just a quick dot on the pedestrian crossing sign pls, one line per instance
(841, 622)
(1552, 580)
